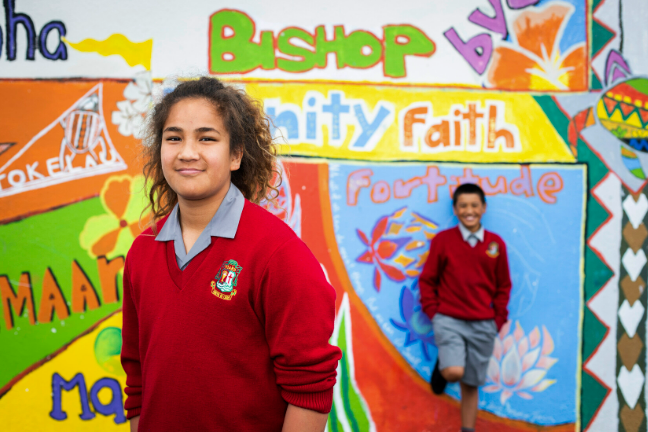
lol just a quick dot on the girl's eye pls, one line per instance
(207, 139)
(173, 139)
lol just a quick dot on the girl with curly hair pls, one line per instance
(227, 313)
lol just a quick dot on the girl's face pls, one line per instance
(196, 159)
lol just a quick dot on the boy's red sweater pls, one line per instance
(464, 282)
(197, 361)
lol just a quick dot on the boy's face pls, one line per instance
(469, 210)
(195, 153)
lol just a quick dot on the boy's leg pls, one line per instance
(480, 339)
(452, 348)
(469, 405)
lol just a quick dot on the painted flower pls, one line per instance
(112, 233)
(132, 111)
(520, 363)
(398, 246)
(140, 92)
(282, 206)
(129, 120)
(532, 60)
(416, 324)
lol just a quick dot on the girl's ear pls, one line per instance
(235, 160)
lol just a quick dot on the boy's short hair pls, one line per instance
(468, 188)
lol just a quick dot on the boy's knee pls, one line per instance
(453, 373)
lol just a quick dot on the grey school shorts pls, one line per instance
(468, 344)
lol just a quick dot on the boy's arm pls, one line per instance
(502, 289)
(130, 352)
(429, 280)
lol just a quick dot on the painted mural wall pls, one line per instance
(381, 111)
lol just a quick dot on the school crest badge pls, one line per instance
(224, 283)
(493, 250)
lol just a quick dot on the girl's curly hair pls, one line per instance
(249, 131)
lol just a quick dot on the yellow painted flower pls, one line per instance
(112, 233)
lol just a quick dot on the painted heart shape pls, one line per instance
(631, 383)
(630, 316)
(636, 210)
(634, 262)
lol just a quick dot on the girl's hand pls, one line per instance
(134, 424)
(301, 420)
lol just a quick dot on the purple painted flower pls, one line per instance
(417, 326)
(520, 363)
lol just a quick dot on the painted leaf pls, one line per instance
(386, 249)
(498, 349)
(547, 342)
(544, 384)
(505, 329)
(379, 229)
(106, 243)
(511, 368)
(392, 272)
(115, 196)
(493, 371)
(508, 344)
(492, 388)
(531, 378)
(377, 279)
(518, 333)
(530, 359)
(366, 257)
(525, 395)
(506, 394)
(546, 362)
(523, 346)
(534, 337)
(363, 237)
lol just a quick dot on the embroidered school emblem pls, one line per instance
(224, 284)
(493, 250)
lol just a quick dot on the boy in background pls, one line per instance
(465, 287)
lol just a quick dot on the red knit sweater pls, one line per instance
(198, 358)
(464, 282)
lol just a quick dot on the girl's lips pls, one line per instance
(189, 171)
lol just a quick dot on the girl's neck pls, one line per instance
(196, 214)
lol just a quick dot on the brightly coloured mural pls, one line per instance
(380, 111)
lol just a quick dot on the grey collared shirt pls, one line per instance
(471, 237)
(223, 224)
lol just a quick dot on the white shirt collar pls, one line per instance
(466, 233)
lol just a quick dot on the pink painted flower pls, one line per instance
(520, 363)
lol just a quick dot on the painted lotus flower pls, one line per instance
(398, 246)
(532, 60)
(112, 233)
(416, 324)
(283, 206)
(520, 363)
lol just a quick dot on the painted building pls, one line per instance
(381, 111)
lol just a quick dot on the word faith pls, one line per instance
(466, 128)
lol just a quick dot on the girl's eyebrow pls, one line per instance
(200, 129)
(206, 129)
